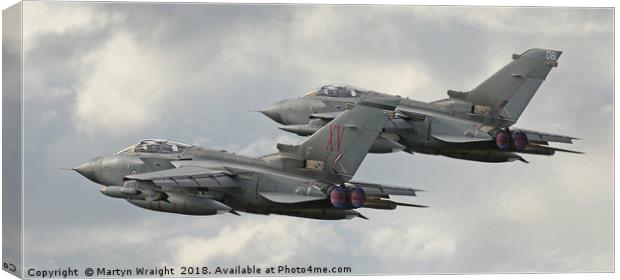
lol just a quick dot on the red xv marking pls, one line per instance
(330, 145)
(340, 136)
(339, 130)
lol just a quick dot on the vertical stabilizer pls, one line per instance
(509, 90)
(340, 146)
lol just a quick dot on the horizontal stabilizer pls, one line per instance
(386, 204)
(554, 149)
(410, 205)
(384, 190)
(462, 138)
(289, 198)
(543, 137)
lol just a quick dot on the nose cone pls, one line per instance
(274, 112)
(89, 169)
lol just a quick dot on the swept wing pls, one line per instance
(188, 177)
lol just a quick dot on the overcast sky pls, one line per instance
(102, 76)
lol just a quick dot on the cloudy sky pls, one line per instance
(101, 76)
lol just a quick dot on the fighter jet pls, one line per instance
(310, 180)
(473, 125)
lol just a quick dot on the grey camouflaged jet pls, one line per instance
(310, 180)
(474, 125)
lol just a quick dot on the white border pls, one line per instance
(547, 3)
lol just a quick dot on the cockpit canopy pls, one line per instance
(335, 91)
(155, 146)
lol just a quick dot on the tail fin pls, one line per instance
(508, 91)
(340, 146)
